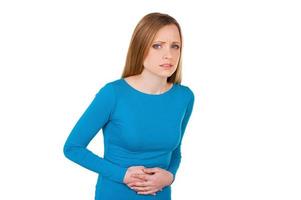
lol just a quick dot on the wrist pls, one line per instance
(171, 179)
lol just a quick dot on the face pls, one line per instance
(165, 49)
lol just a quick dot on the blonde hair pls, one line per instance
(141, 41)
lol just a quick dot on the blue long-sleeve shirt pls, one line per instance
(138, 129)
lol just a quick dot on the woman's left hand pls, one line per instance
(155, 179)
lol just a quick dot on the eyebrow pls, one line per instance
(165, 42)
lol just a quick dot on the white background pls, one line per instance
(241, 59)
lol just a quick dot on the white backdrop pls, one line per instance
(241, 59)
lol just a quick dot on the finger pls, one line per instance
(153, 192)
(151, 170)
(140, 184)
(140, 176)
(134, 179)
(142, 189)
(148, 170)
(133, 184)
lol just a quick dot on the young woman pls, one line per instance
(143, 116)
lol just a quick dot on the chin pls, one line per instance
(165, 75)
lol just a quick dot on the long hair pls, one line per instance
(141, 41)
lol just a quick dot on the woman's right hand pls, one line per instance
(133, 171)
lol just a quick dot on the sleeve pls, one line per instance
(92, 120)
(176, 154)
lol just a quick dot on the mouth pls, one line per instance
(166, 65)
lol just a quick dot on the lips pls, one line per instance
(166, 65)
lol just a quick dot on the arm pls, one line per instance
(176, 154)
(93, 119)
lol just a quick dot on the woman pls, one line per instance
(143, 116)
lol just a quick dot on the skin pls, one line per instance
(153, 80)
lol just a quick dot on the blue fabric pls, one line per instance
(138, 129)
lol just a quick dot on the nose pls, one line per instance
(167, 54)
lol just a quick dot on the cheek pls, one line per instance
(176, 54)
(152, 59)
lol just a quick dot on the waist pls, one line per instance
(126, 158)
(108, 189)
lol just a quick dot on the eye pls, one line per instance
(176, 46)
(156, 46)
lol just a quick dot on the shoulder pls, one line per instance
(186, 90)
(189, 100)
(106, 88)
(110, 86)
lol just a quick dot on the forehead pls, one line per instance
(168, 33)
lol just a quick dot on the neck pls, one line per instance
(152, 83)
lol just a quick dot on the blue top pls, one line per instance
(138, 129)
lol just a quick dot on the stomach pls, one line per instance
(107, 189)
